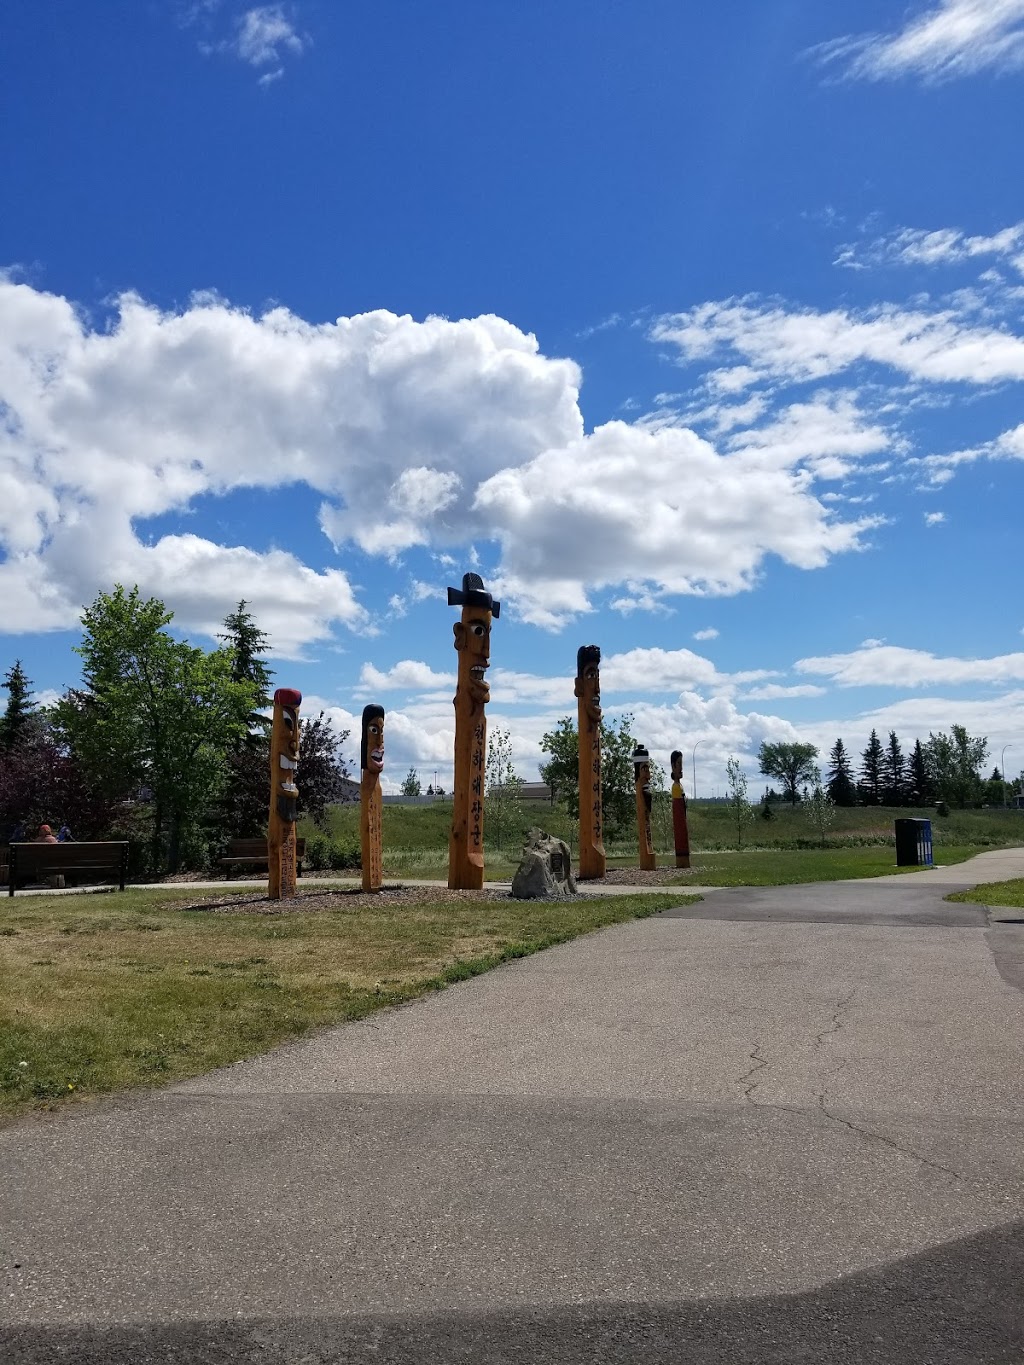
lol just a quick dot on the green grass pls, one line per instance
(788, 867)
(416, 837)
(993, 893)
(102, 993)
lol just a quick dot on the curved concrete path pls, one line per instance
(779, 1125)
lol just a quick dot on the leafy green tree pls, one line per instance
(792, 764)
(871, 771)
(561, 772)
(820, 809)
(42, 782)
(154, 714)
(841, 787)
(411, 784)
(18, 714)
(954, 762)
(505, 812)
(740, 808)
(894, 772)
(921, 790)
(322, 770)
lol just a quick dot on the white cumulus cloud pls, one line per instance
(878, 665)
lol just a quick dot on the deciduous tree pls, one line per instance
(792, 764)
(561, 772)
(954, 763)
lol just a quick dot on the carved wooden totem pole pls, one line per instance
(284, 794)
(642, 781)
(371, 764)
(680, 831)
(473, 642)
(588, 691)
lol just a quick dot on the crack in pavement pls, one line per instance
(887, 1142)
(836, 1022)
(760, 1064)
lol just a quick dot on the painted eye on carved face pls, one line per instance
(478, 628)
(591, 674)
(287, 720)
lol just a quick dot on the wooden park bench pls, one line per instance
(253, 853)
(102, 862)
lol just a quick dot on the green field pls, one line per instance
(862, 839)
(105, 992)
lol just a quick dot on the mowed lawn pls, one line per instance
(993, 893)
(105, 992)
(788, 867)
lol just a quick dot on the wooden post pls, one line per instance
(642, 781)
(588, 691)
(473, 643)
(681, 833)
(371, 763)
(284, 794)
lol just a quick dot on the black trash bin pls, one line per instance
(913, 843)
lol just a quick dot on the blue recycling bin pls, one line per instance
(913, 843)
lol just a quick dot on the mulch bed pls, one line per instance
(309, 902)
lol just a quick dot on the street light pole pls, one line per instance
(694, 763)
(1002, 771)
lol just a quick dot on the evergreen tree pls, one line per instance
(19, 712)
(245, 645)
(411, 785)
(920, 790)
(241, 812)
(871, 772)
(841, 787)
(894, 772)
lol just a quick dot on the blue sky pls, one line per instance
(697, 330)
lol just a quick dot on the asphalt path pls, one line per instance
(776, 1126)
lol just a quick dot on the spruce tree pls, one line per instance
(242, 809)
(894, 769)
(20, 707)
(918, 777)
(871, 771)
(841, 787)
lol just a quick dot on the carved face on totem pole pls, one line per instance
(371, 748)
(473, 636)
(284, 742)
(642, 773)
(676, 759)
(588, 681)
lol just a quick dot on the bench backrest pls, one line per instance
(103, 857)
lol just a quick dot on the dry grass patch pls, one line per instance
(105, 992)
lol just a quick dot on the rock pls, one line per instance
(545, 872)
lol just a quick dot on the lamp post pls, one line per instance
(1002, 771)
(693, 761)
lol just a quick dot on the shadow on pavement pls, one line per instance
(955, 1303)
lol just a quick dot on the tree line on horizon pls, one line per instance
(162, 743)
(945, 768)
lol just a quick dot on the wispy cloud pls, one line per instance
(956, 38)
(709, 634)
(934, 518)
(879, 665)
(940, 246)
(263, 38)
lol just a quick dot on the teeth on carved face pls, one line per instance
(287, 762)
(377, 755)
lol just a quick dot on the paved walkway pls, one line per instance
(783, 1124)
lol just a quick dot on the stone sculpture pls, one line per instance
(371, 764)
(284, 794)
(545, 872)
(473, 643)
(588, 692)
(680, 831)
(642, 782)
